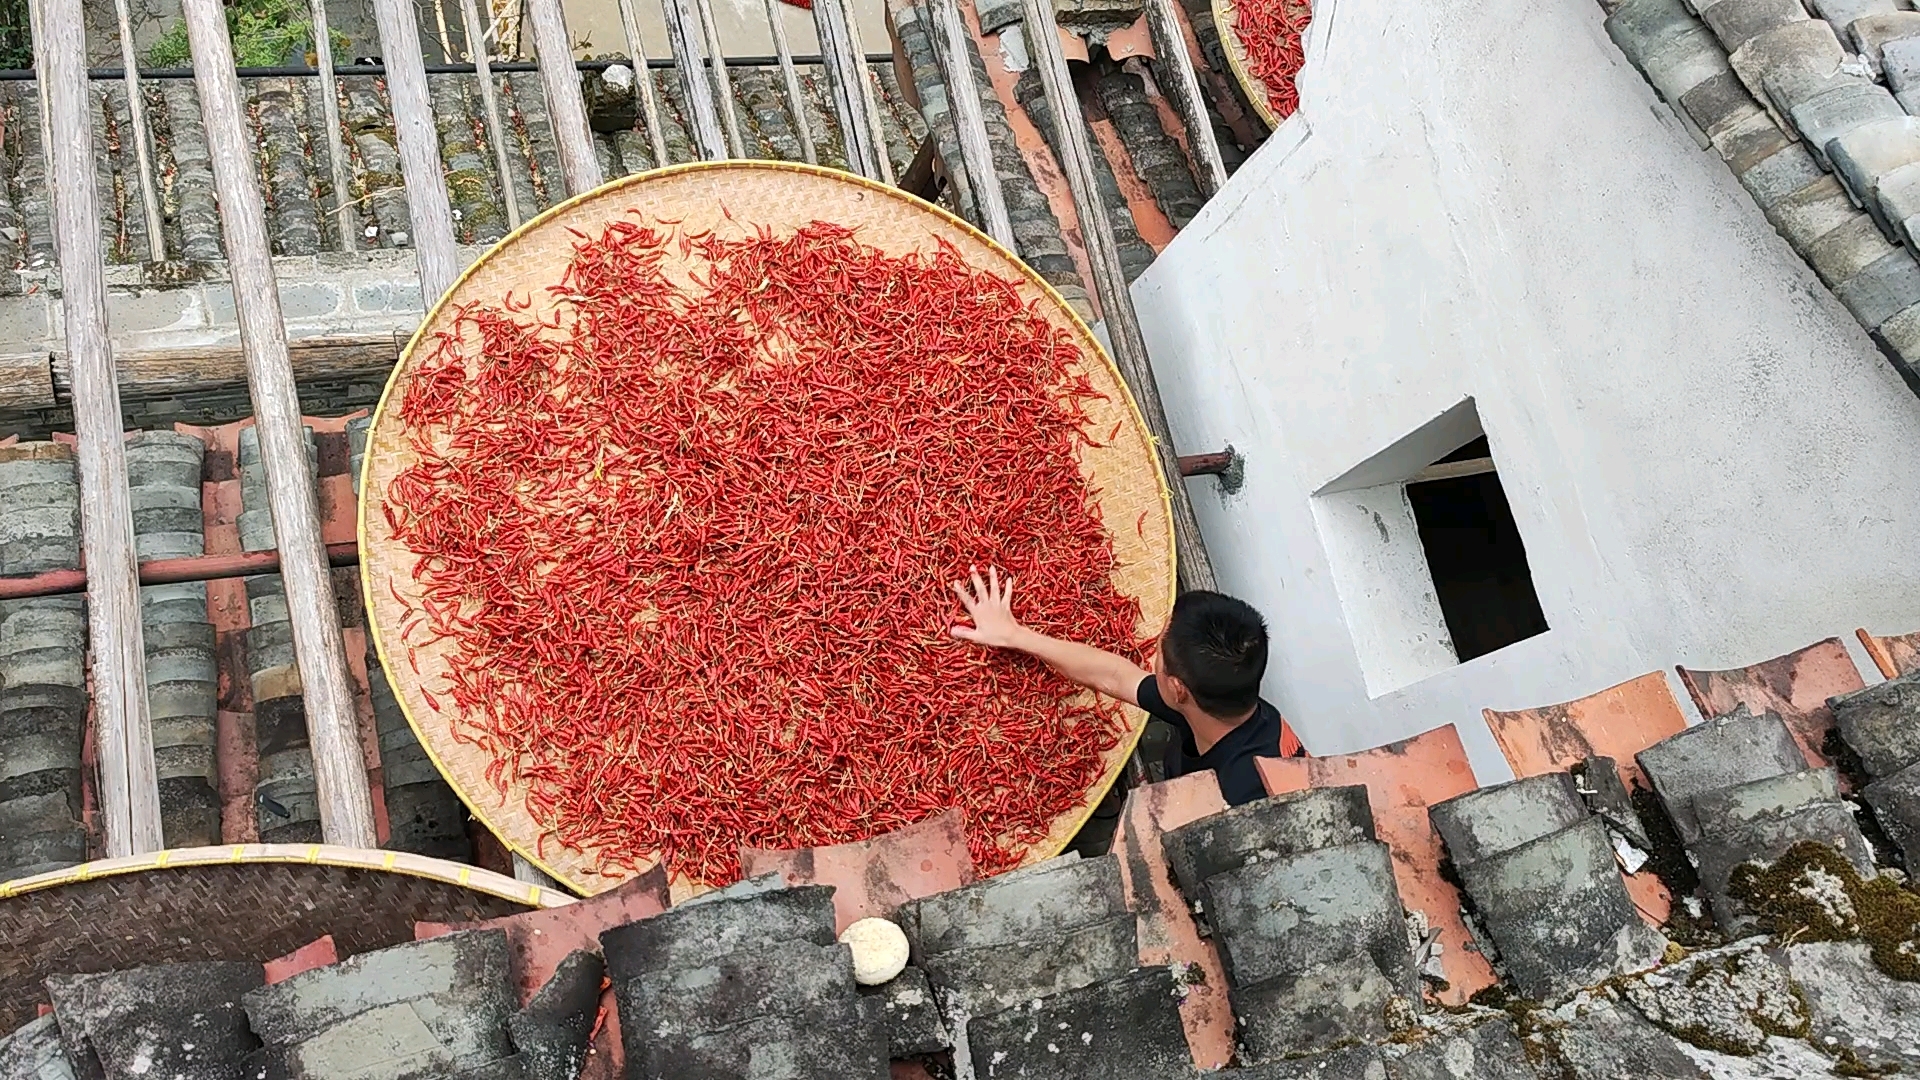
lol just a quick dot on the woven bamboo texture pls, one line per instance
(1225, 20)
(731, 198)
(238, 902)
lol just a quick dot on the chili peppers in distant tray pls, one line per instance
(691, 540)
(1269, 32)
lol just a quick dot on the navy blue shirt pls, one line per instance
(1231, 759)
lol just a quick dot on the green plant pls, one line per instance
(16, 44)
(265, 33)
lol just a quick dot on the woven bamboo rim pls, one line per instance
(1225, 19)
(721, 196)
(397, 862)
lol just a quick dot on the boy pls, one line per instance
(1205, 679)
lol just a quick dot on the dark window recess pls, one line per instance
(1478, 448)
(1479, 564)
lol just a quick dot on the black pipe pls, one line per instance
(115, 74)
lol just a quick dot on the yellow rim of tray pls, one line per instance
(395, 862)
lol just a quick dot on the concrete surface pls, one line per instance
(1286, 824)
(1487, 203)
(1736, 998)
(1596, 1039)
(1502, 817)
(1559, 914)
(1117, 1029)
(1486, 1051)
(1854, 1005)
(1719, 753)
(1349, 1063)
(1882, 724)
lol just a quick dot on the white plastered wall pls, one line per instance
(1709, 462)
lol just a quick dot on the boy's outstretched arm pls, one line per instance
(990, 604)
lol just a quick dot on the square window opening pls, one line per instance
(1426, 556)
(1474, 552)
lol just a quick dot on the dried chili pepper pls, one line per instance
(691, 542)
(1269, 32)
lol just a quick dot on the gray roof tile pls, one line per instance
(1116, 1029)
(1559, 914)
(1895, 801)
(458, 985)
(174, 1020)
(1882, 722)
(1267, 828)
(1490, 820)
(1728, 750)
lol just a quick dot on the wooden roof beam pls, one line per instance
(346, 807)
(129, 788)
(418, 141)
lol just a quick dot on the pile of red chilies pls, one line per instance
(1269, 32)
(692, 545)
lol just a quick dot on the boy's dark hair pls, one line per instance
(1217, 646)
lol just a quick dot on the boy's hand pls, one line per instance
(990, 604)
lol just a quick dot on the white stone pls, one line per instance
(879, 950)
(1013, 49)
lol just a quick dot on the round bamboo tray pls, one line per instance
(1225, 20)
(233, 902)
(731, 198)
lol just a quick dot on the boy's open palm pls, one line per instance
(990, 604)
